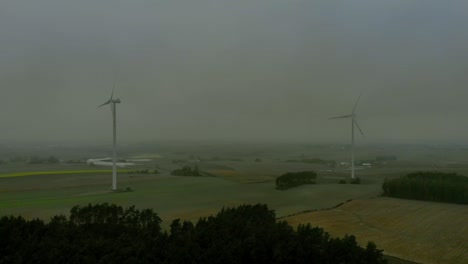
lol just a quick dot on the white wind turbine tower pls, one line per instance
(113, 103)
(353, 123)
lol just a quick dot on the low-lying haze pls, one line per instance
(234, 70)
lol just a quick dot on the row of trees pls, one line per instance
(106, 233)
(187, 171)
(293, 179)
(145, 171)
(429, 186)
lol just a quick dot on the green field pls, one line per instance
(170, 196)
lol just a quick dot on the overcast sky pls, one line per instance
(234, 69)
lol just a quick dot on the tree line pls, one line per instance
(293, 179)
(106, 233)
(187, 171)
(429, 186)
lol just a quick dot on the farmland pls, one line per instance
(171, 196)
(423, 232)
(246, 174)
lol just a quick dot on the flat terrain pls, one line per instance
(419, 231)
(424, 232)
(170, 196)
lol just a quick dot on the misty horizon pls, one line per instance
(223, 71)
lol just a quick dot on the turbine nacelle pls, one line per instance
(111, 100)
(352, 115)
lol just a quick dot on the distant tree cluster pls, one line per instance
(429, 186)
(187, 171)
(106, 233)
(40, 160)
(293, 179)
(145, 171)
(75, 161)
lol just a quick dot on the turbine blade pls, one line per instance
(345, 116)
(357, 125)
(357, 102)
(106, 103)
(112, 94)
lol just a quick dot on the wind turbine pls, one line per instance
(113, 103)
(353, 123)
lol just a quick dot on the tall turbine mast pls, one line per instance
(113, 102)
(353, 123)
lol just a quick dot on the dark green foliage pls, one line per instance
(146, 171)
(187, 171)
(75, 161)
(356, 180)
(342, 181)
(106, 233)
(429, 186)
(293, 179)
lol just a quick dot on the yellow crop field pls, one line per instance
(37, 173)
(424, 232)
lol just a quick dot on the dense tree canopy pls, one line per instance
(187, 171)
(293, 179)
(106, 233)
(429, 186)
